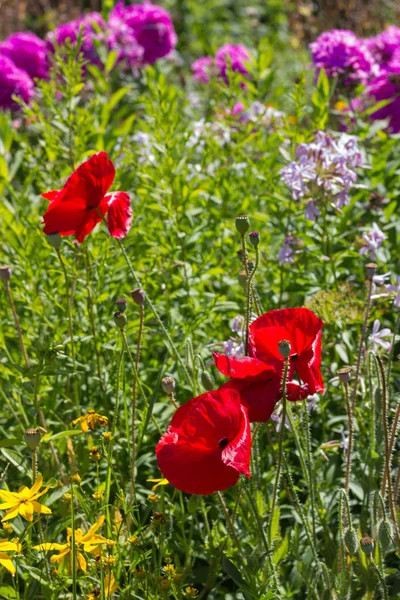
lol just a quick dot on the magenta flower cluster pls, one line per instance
(140, 34)
(373, 62)
(228, 57)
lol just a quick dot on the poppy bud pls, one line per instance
(120, 319)
(240, 254)
(242, 279)
(250, 265)
(207, 381)
(351, 540)
(168, 385)
(254, 238)
(385, 535)
(344, 374)
(284, 348)
(138, 296)
(32, 437)
(54, 240)
(5, 273)
(370, 269)
(367, 545)
(242, 224)
(121, 305)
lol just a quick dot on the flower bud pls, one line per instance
(207, 381)
(240, 254)
(5, 273)
(54, 240)
(284, 348)
(370, 269)
(158, 519)
(138, 295)
(367, 545)
(95, 454)
(168, 385)
(242, 224)
(242, 279)
(351, 540)
(32, 437)
(250, 265)
(76, 478)
(254, 238)
(121, 305)
(344, 374)
(120, 319)
(385, 535)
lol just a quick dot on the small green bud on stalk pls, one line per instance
(121, 305)
(284, 348)
(254, 238)
(367, 545)
(120, 320)
(370, 269)
(242, 224)
(385, 535)
(207, 381)
(351, 540)
(5, 273)
(344, 374)
(32, 437)
(54, 240)
(138, 296)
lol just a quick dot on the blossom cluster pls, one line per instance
(325, 165)
(227, 58)
(373, 62)
(207, 445)
(139, 34)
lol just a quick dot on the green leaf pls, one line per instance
(281, 551)
(7, 592)
(275, 523)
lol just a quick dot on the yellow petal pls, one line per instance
(8, 505)
(93, 530)
(11, 514)
(36, 486)
(59, 557)
(8, 545)
(49, 546)
(85, 426)
(8, 496)
(40, 508)
(81, 562)
(36, 496)
(26, 510)
(6, 561)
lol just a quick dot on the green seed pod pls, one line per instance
(254, 238)
(120, 319)
(367, 545)
(32, 437)
(284, 348)
(121, 305)
(54, 240)
(385, 535)
(242, 224)
(207, 381)
(351, 540)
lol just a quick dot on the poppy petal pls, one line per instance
(259, 397)
(51, 195)
(207, 444)
(90, 181)
(241, 367)
(119, 214)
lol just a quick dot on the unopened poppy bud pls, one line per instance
(344, 374)
(284, 348)
(242, 224)
(168, 385)
(54, 240)
(121, 305)
(120, 319)
(367, 545)
(5, 273)
(138, 295)
(242, 279)
(351, 540)
(254, 238)
(32, 437)
(385, 535)
(207, 381)
(370, 269)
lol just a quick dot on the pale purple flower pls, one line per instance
(377, 337)
(286, 253)
(14, 82)
(395, 288)
(312, 212)
(238, 324)
(312, 401)
(277, 418)
(202, 69)
(296, 174)
(373, 241)
(344, 444)
(381, 281)
(28, 52)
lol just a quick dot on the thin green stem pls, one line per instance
(91, 318)
(310, 465)
(34, 466)
(361, 345)
(73, 546)
(350, 440)
(391, 353)
(17, 323)
(381, 580)
(249, 290)
(134, 398)
(229, 521)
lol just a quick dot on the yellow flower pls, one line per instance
(109, 585)
(76, 478)
(89, 542)
(67, 497)
(153, 498)
(158, 482)
(5, 559)
(95, 454)
(107, 436)
(24, 502)
(89, 420)
(98, 495)
(109, 561)
(8, 528)
(340, 105)
(190, 592)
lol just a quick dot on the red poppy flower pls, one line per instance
(207, 444)
(76, 209)
(257, 377)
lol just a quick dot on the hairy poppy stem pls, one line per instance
(34, 466)
(249, 293)
(361, 344)
(71, 327)
(393, 437)
(280, 451)
(91, 318)
(17, 323)
(229, 521)
(350, 418)
(387, 469)
(134, 398)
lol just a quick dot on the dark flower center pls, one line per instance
(294, 356)
(223, 442)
